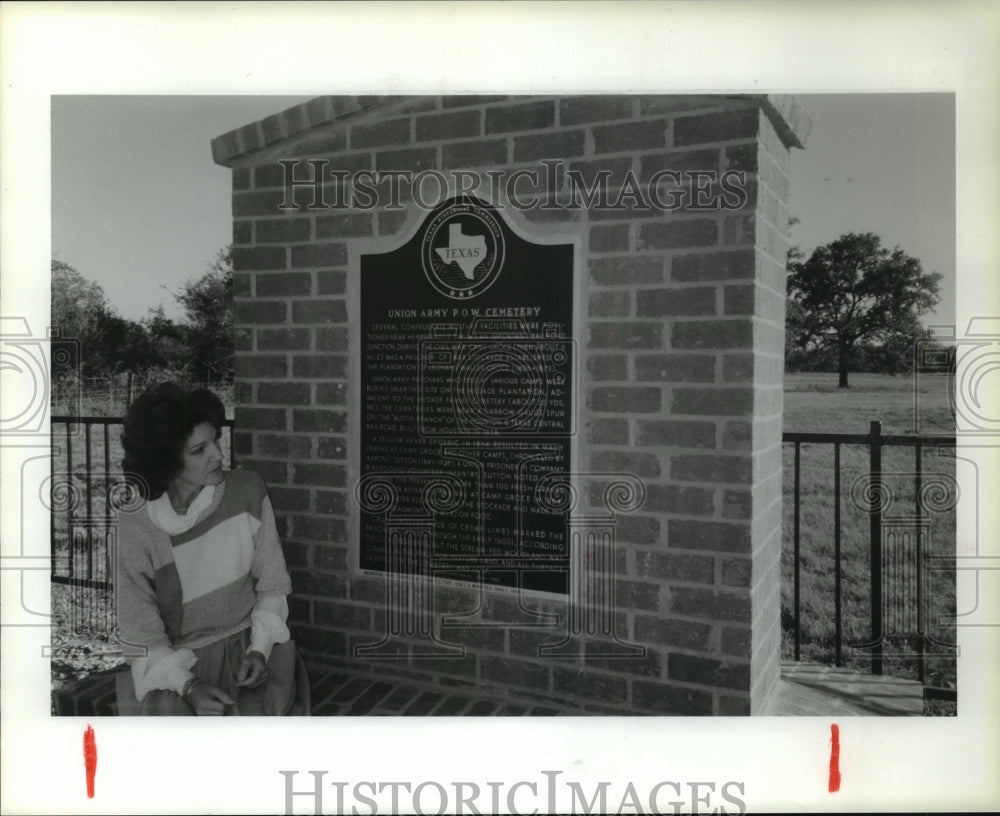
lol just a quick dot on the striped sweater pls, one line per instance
(181, 590)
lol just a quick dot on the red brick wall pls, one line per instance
(679, 379)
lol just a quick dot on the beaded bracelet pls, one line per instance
(189, 687)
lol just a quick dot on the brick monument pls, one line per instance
(512, 370)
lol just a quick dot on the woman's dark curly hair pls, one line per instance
(157, 426)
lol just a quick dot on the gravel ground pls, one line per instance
(83, 634)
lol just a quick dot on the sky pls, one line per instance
(139, 207)
(882, 163)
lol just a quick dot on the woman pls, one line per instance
(202, 583)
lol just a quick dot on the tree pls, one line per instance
(76, 302)
(81, 313)
(208, 304)
(854, 294)
(165, 338)
(199, 347)
(123, 345)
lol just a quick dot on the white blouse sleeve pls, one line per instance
(162, 668)
(268, 624)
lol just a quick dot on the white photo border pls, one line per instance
(343, 48)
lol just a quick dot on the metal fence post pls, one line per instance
(877, 490)
(919, 544)
(837, 611)
(798, 559)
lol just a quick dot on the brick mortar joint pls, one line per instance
(776, 261)
(763, 184)
(239, 159)
(771, 107)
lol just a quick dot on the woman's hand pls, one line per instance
(208, 700)
(252, 671)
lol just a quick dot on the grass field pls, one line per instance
(903, 405)
(814, 403)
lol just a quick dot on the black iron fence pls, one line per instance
(898, 557)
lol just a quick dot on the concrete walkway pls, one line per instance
(811, 690)
(805, 690)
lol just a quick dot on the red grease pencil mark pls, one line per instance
(90, 759)
(834, 758)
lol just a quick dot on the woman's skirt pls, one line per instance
(218, 664)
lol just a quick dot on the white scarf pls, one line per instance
(163, 515)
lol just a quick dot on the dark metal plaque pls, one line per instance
(467, 378)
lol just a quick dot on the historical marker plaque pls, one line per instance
(467, 378)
